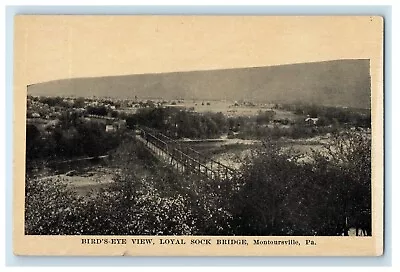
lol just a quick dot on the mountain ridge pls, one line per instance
(335, 83)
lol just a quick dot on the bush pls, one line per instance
(280, 196)
(97, 110)
(265, 117)
(130, 209)
(50, 208)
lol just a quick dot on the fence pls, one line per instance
(183, 158)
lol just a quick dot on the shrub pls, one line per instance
(130, 209)
(50, 208)
(280, 196)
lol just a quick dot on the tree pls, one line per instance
(265, 117)
(33, 142)
(114, 114)
(79, 102)
(349, 158)
(97, 110)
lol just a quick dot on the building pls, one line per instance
(311, 121)
(110, 128)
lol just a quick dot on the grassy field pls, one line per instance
(226, 107)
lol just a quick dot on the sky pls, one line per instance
(58, 47)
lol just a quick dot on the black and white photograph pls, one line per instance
(132, 131)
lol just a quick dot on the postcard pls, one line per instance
(198, 135)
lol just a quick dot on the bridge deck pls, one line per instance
(183, 159)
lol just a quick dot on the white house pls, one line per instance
(110, 128)
(311, 121)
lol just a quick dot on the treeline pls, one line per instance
(273, 195)
(50, 105)
(294, 131)
(54, 101)
(71, 137)
(331, 115)
(180, 123)
(102, 111)
(78, 102)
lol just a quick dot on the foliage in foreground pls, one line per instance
(52, 209)
(145, 200)
(274, 195)
(282, 197)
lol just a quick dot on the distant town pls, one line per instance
(114, 112)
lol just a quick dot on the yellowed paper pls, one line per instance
(52, 48)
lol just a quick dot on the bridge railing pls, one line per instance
(184, 158)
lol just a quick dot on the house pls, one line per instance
(110, 128)
(115, 126)
(311, 121)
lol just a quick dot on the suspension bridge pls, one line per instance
(183, 158)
